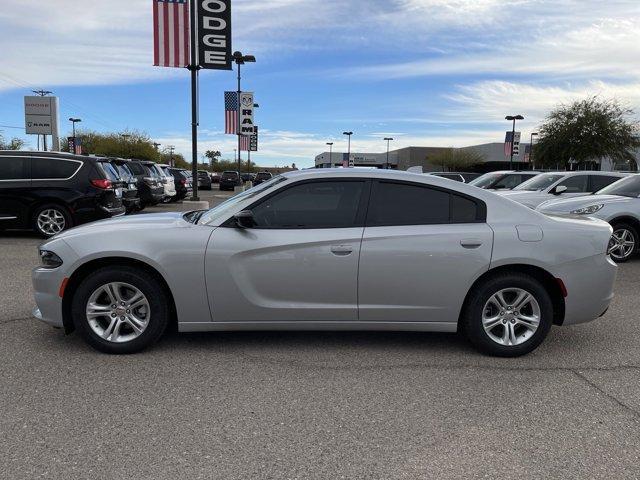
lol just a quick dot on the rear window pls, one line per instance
(263, 176)
(53, 168)
(16, 168)
(137, 168)
(229, 174)
(108, 170)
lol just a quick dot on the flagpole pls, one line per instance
(193, 67)
(238, 126)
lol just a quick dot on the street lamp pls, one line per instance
(240, 59)
(330, 154)
(513, 133)
(531, 149)
(348, 134)
(73, 123)
(388, 139)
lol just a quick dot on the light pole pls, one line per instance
(348, 134)
(330, 154)
(388, 139)
(240, 59)
(73, 126)
(533, 134)
(513, 133)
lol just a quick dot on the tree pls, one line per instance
(456, 158)
(126, 144)
(212, 155)
(586, 131)
(14, 144)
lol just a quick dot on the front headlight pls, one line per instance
(49, 259)
(588, 210)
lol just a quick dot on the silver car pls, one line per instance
(337, 249)
(618, 204)
(547, 186)
(503, 179)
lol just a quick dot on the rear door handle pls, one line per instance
(341, 249)
(470, 242)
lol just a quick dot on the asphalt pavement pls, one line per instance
(315, 405)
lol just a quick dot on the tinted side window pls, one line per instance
(403, 204)
(136, 168)
(52, 168)
(576, 184)
(14, 168)
(598, 182)
(311, 205)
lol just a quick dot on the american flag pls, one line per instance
(508, 144)
(170, 33)
(245, 142)
(230, 112)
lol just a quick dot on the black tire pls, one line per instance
(140, 279)
(68, 220)
(471, 318)
(620, 226)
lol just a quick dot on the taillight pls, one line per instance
(102, 183)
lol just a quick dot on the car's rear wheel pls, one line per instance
(623, 243)
(51, 219)
(120, 309)
(508, 315)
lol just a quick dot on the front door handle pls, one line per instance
(470, 242)
(341, 249)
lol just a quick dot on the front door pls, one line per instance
(422, 249)
(298, 263)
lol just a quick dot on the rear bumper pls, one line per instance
(589, 282)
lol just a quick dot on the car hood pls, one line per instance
(565, 205)
(144, 221)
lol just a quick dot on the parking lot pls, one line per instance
(315, 405)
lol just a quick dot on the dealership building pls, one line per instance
(403, 158)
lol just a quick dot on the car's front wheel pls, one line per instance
(120, 309)
(508, 315)
(623, 243)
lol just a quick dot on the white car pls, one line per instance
(503, 179)
(618, 204)
(547, 186)
(168, 180)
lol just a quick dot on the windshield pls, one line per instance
(485, 180)
(627, 187)
(540, 182)
(226, 207)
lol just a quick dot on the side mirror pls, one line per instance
(559, 189)
(244, 219)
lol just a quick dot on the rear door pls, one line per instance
(15, 191)
(422, 249)
(300, 261)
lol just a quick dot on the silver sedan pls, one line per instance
(618, 204)
(331, 250)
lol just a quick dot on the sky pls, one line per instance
(425, 72)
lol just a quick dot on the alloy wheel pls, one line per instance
(51, 221)
(118, 312)
(511, 316)
(622, 244)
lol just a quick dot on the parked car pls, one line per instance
(503, 179)
(150, 184)
(547, 186)
(50, 191)
(618, 204)
(456, 176)
(182, 183)
(167, 181)
(215, 178)
(130, 198)
(334, 249)
(204, 180)
(261, 177)
(247, 177)
(229, 179)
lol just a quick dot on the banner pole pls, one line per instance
(193, 67)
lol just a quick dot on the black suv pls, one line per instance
(229, 180)
(50, 191)
(150, 185)
(262, 177)
(182, 182)
(204, 180)
(129, 184)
